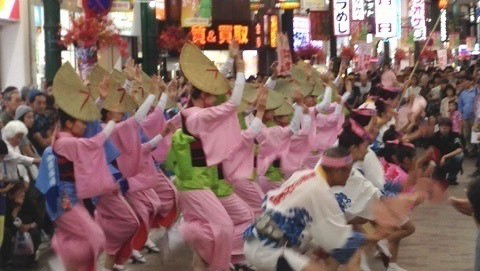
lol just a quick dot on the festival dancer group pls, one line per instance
(261, 176)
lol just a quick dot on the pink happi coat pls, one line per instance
(119, 222)
(153, 125)
(217, 127)
(112, 212)
(138, 168)
(324, 133)
(239, 170)
(78, 240)
(298, 151)
(273, 144)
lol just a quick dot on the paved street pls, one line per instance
(444, 241)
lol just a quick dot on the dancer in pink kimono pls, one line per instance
(74, 169)
(153, 125)
(214, 217)
(269, 140)
(326, 124)
(239, 169)
(113, 213)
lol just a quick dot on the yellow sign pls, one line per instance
(273, 31)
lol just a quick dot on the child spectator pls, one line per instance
(455, 117)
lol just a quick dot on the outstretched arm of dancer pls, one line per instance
(233, 51)
(237, 92)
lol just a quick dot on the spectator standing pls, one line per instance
(12, 101)
(466, 102)
(42, 126)
(450, 96)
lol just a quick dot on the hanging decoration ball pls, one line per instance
(96, 8)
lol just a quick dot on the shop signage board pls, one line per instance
(314, 5)
(443, 25)
(301, 31)
(9, 10)
(417, 20)
(283, 55)
(121, 5)
(386, 18)
(196, 13)
(442, 58)
(219, 36)
(341, 17)
(364, 56)
(358, 10)
(287, 4)
(370, 15)
(319, 25)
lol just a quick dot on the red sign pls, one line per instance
(283, 55)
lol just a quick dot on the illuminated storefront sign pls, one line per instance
(273, 31)
(221, 35)
(287, 4)
(386, 18)
(358, 10)
(160, 13)
(9, 10)
(417, 19)
(443, 26)
(341, 17)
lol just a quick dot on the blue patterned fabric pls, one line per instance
(391, 189)
(343, 201)
(291, 224)
(342, 255)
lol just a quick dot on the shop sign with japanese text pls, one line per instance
(219, 36)
(417, 19)
(386, 18)
(341, 17)
(358, 10)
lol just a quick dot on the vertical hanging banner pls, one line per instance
(341, 17)
(386, 18)
(442, 58)
(196, 13)
(283, 55)
(417, 20)
(470, 42)
(364, 56)
(320, 26)
(443, 25)
(358, 10)
(370, 15)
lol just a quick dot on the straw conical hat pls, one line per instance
(72, 96)
(250, 93)
(284, 110)
(318, 89)
(302, 74)
(119, 76)
(274, 100)
(201, 72)
(96, 76)
(141, 91)
(118, 100)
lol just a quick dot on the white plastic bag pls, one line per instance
(23, 245)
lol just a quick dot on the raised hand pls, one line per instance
(233, 49)
(274, 69)
(104, 88)
(240, 64)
